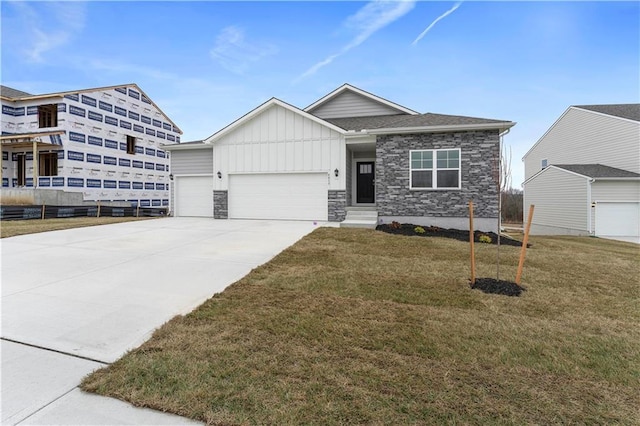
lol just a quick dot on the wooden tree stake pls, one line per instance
(524, 245)
(473, 254)
(43, 209)
(98, 214)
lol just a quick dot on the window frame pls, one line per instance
(47, 116)
(434, 170)
(544, 163)
(48, 160)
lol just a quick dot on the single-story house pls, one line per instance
(349, 155)
(583, 175)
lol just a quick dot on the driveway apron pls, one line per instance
(76, 300)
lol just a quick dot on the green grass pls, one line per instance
(357, 326)
(12, 228)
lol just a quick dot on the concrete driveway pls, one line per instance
(76, 300)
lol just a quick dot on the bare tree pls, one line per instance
(502, 177)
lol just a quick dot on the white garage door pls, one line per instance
(292, 196)
(618, 219)
(194, 196)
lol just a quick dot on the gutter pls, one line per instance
(186, 147)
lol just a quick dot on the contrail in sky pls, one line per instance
(444, 15)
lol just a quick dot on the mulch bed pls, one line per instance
(493, 286)
(457, 234)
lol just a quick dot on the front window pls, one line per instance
(435, 169)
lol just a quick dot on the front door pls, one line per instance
(365, 182)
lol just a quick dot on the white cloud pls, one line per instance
(372, 17)
(49, 25)
(233, 52)
(444, 15)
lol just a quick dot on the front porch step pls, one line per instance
(360, 217)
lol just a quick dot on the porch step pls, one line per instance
(360, 217)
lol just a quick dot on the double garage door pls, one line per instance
(290, 196)
(286, 196)
(618, 219)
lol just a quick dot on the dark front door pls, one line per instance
(365, 182)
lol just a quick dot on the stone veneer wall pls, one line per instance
(337, 205)
(479, 150)
(220, 205)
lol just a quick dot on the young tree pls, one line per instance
(502, 177)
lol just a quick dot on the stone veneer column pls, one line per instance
(337, 205)
(220, 205)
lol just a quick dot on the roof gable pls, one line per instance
(349, 101)
(262, 108)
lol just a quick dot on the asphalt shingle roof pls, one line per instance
(598, 171)
(13, 93)
(407, 120)
(628, 111)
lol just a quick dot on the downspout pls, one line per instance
(589, 207)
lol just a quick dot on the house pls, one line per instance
(349, 155)
(583, 175)
(104, 143)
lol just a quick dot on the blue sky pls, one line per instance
(207, 63)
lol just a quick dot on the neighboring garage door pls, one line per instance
(194, 196)
(618, 219)
(291, 196)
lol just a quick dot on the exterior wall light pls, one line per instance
(171, 176)
(336, 172)
(219, 175)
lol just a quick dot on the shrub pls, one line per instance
(394, 225)
(419, 230)
(484, 239)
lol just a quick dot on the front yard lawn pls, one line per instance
(359, 326)
(12, 228)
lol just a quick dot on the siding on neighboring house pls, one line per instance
(92, 154)
(279, 141)
(349, 104)
(615, 190)
(584, 137)
(192, 162)
(561, 203)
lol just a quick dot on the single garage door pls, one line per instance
(618, 219)
(290, 196)
(194, 196)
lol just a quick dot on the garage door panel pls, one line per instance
(287, 196)
(194, 196)
(618, 219)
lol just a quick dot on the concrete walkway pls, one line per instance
(75, 300)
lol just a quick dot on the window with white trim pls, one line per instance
(543, 163)
(434, 169)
